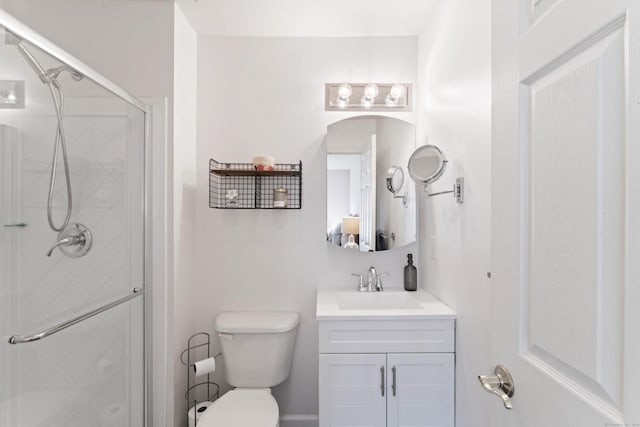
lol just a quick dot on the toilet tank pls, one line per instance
(257, 346)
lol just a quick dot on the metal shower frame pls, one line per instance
(25, 33)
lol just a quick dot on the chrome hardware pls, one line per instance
(74, 241)
(458, 191)
(361, 286)
(20, 339)
(379, 277)
(393, 384)
(382, 380)
(500, 384)
(372, 278)
(391, 236)
(20, 224)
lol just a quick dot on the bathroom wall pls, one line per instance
(266, 96)
(455, 240)
(184, 199)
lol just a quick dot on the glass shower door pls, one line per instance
(91, 373)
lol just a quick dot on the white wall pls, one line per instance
(266, 96)
(455, 114)
(185, 201)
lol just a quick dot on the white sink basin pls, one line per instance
(394, 303)
(376, 301)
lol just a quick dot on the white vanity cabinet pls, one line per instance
(386, 372)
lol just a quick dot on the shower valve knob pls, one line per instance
(74, 241)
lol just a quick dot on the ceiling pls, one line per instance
(308, 18)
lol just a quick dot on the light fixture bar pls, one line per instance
(368, 96)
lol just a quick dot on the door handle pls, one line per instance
(382, 380)
(500, 384)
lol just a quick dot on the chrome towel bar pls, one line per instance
(20, 339)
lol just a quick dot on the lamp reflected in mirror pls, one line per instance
(351, 228)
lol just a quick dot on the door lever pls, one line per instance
(500, 384)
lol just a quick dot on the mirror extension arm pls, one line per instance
(458, 191)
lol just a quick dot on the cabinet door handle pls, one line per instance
(393, 384)
(382, 380)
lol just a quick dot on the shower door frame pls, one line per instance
(155, 303)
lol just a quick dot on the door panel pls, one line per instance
(565, 187)
(424, 390)
(574, 224)
(350, 390)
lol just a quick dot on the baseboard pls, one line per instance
(299, 420)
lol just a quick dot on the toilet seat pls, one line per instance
(242, 407)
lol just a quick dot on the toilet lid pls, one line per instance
(242, 408)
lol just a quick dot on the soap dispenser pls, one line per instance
(410, 275)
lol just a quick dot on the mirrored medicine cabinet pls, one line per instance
(371, 202)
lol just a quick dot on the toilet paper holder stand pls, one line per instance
(196, 341)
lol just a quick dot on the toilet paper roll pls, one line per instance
(196, 412)
(205, 366)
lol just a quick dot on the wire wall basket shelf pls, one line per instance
(241, 186)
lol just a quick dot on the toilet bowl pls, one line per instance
(242, 408)
(258, 349)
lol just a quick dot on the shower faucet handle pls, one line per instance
(67, 241)
(74, 241)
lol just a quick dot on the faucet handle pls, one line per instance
(379, 277)
(361, 286)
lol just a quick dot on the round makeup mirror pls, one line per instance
(427, 164)
(395, 179)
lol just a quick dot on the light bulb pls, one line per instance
(371, 91)
(344, 92)
(397, 91)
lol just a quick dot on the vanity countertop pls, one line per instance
(391, 304)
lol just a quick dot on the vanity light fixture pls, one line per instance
(368, 96)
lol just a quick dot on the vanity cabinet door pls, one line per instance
(420, 393)
(353, 390)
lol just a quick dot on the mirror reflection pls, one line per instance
(370, 207)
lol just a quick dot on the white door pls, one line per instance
(420, 390)
(352, 390)
(566, 211)
(368, 195)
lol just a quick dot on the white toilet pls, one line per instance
(257, 349)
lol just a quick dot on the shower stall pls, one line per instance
(72, 241)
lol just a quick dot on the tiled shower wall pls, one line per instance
(91, 373)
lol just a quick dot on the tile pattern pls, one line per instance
(85, 374)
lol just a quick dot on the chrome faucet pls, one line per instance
(373, 280)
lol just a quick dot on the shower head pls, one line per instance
(45, 76)
(12, 39)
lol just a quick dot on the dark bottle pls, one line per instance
(410, 275)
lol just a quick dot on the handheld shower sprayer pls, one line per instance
(49, 77)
